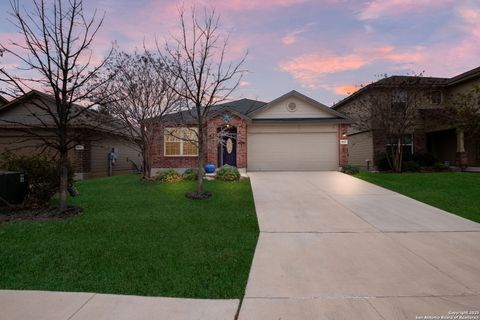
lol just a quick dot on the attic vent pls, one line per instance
(292, 106)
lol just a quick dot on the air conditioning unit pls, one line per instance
(13, 187)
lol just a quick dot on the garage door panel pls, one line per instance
(292, 151)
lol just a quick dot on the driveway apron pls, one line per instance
(335, 247)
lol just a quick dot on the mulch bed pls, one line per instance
(22, 214)
(198, 195)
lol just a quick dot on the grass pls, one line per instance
(455, 192)
(138, 238)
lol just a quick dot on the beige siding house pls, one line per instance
(25, 128)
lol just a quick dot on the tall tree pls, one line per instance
(140, 90)
(55, 56)
(197, 58)
(389, 108)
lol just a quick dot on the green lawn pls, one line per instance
(456, 192)
(138, 238)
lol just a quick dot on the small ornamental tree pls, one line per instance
(141, 88)
(197, 59)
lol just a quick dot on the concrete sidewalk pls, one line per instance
(46, 305)
(335, 247)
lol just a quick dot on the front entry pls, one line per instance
(229, 147)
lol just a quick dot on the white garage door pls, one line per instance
(297, 151)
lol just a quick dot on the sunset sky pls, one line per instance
(322, 48)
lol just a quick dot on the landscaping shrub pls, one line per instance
(423, 159)
(439, 167)
(411, 166)
(190, 174)
(382, 162)
(349, 169)
(42, 173)
(227, 173)
(169, 175)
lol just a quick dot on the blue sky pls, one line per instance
(323, 48)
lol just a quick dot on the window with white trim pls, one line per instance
(180, 142)
(399, 100)
(406, 143)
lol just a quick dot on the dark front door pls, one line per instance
(229, 148)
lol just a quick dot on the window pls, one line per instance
(436, 97)
(399, 100)
(407, 145)
(180, 142)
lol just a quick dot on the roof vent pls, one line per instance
(291, 106)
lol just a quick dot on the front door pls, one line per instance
(229, 148)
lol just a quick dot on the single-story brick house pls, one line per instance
(292, 132)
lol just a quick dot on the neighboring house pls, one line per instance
(292, 132)
(96, 136)
(434, 133)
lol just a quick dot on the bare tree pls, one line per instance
(389, 108)
(55, 56)
(197, 59)
(142, 93)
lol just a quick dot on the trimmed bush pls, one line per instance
(43, 176)
(349, 169)
(411, 166)
(439, 167)
(190, 174)
(227, 173)
(423, 159)
(382, 162)
(169, 175)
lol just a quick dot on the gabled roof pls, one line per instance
(393, 81)
(242, 106)
(296, 94)
(464, 76)
(89, 119)
(247, 108)
(3, 101)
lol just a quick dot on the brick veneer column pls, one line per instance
(343, 148)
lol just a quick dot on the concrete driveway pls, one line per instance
(335, 247)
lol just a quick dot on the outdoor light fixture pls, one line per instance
(344, 135)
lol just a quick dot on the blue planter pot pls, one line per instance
(209, 168)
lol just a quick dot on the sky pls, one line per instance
(325, 49)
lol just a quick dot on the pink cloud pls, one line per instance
(242, 5)
(346, 89)
(308, 69)
(380, 8)
(291, 37)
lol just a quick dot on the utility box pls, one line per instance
(13, 187)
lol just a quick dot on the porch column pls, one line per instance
(461, 156)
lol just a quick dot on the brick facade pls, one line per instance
(159, 160)
(241, 126)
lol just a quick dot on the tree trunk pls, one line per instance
(200, 168)
(397, 158)
(146, 164)
(200, 188)
(63, 187)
